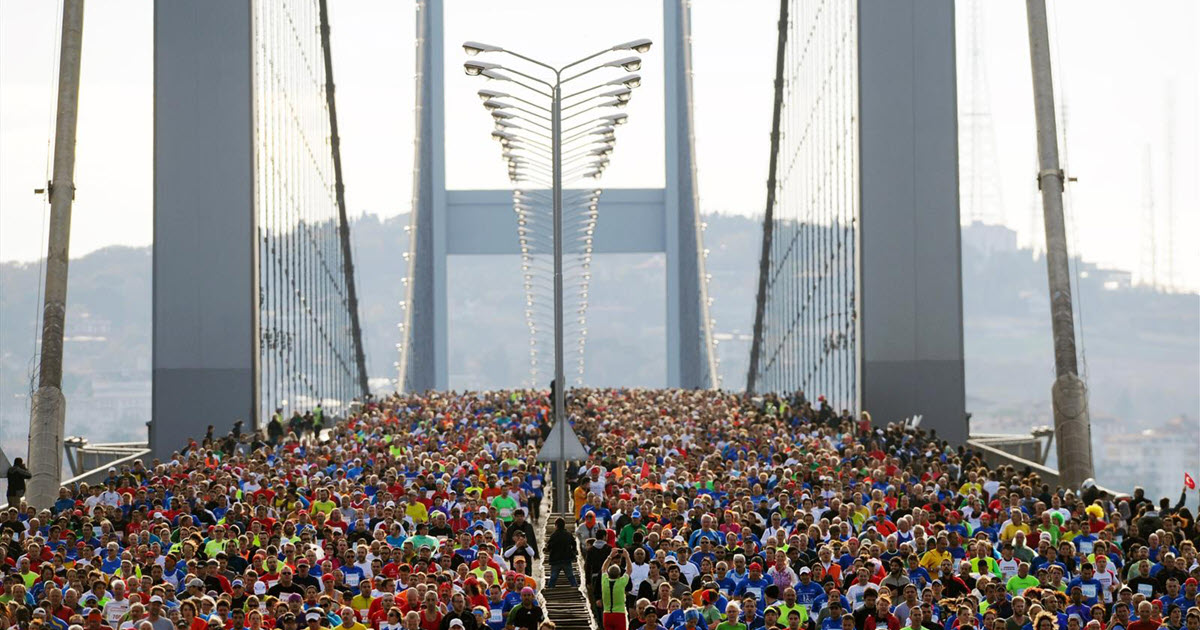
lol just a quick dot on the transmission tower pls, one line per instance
(982, 201)
(1149, 224)
(1169, 253)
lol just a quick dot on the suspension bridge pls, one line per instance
(254, 304)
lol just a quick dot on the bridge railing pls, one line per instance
(988, 445)
(101, 457)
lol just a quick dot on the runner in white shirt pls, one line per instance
(1007, 564)
(857, 592)
(1107, 577)
(118, 605)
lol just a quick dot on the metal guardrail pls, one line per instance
(100, 472)
(997, 457)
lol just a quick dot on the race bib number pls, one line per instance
(497, 616)
(536, 483)
(1089, 591)
(756, 591)
(352, 579)
(1086, 546)
(1146, 589)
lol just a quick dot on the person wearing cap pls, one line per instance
(521, 548)
(650, 619)
(626, 536)
(527, 615)
(754, 584)
(481, 614)
(314, 619)
(155, 614)
(830, 618)
(520, 523)
(1191, 588)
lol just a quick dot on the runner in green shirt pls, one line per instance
(1021, 581)
(613, 580)
(625, 537)
(732, 615)
(505, 505)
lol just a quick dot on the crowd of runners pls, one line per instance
(695, 509)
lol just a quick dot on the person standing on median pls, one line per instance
(560, 551)
(17, 475)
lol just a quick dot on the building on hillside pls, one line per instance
(1154, 459)
(987, 239)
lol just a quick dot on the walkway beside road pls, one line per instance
(566, 605)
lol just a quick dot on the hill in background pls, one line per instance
(1139, 347)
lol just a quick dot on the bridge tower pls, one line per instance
(253, 294)
(860, 291)
(460, 222)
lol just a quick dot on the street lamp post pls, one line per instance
(617, 96)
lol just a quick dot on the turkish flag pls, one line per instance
(1189, 482)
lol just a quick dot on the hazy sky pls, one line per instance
(1115, 66)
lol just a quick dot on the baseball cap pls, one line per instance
(312, 615)
(635, 514)
(456, 623)
(156, 598)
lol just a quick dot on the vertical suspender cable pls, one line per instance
(343, 222)
(768, 229)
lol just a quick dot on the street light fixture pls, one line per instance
(641, 46)
(585, 154)
(475, 68)
(474, 48)
(632, 64)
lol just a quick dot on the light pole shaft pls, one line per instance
(1072, 426)
(48, 415)
(560, 416)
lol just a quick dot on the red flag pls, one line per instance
(1189, 482)
(646, 469)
